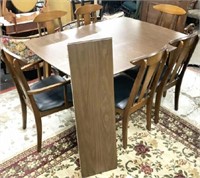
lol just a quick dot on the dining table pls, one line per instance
(131, 40)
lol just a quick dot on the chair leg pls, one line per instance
(125, 129)
(24, 114)
(157, 106)
(164, 93)
(39, 131)
(177, 93)
(148, 114)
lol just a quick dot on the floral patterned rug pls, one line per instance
(170, 150)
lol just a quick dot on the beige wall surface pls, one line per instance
(64, 5)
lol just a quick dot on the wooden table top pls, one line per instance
(131, 39)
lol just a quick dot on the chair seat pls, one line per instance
(53, 98)
(122, 87)
(132, 72)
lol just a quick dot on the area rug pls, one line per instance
(170, 150)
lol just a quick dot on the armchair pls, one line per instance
(43, 97)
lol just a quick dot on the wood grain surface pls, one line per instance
(92, 83)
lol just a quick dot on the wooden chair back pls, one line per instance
(46, 21)
(169, 15)
(88, 13)
(13, 63)
(175, 68)
(133, 94)
(19, 80)
(179, 59)
(150, 69)
(9, 64)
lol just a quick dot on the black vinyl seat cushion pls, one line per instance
(132, 72)
(122, 88)
(52, 98)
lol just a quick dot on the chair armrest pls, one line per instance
(47, 88)
(189, 29)
(27, 66)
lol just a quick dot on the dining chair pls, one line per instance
(47, 25)
(88, 13)
(132, 94)
(169, 15)
(46, 21)
(175, 69)
(43, 97)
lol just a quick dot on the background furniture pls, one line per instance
(45, 21)
(91, 65)
(194, 12)
(132, 94)
(110, 7)
(77, 3)
(148, 14)
(23, 6)
(22, 27)
(18, 23)
(14, 22)
(88, 13)
(59, 5)
(131, 8)
(175, 69)
(13, 7)
(169, 15)
(44, 97)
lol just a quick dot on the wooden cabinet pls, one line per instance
(148, 14)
